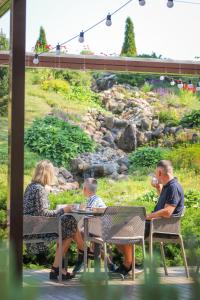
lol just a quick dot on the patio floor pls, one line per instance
(74, 290)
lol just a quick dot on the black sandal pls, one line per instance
(53, 275)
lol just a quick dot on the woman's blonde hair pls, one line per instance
(44, 173)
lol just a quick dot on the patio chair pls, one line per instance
(35, 225)
(118, 225)
(163, 231)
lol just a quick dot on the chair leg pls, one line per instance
(105, 259)
(150, 247)
(60, 259)
(184, 256)
(163, 258)
(85, 256)
(133, 262)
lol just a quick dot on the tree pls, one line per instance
(41, 44)
(129, 47)
(4, 43)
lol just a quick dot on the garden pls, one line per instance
(70, 114)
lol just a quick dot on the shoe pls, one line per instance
(123, 270)
(53, 275)
(111, 267)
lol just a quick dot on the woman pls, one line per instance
(36, 204)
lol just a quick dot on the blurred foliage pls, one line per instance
(10, 287)
(56, 85)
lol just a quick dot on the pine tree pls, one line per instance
(41, 44)
(4, 43)
(129, 47)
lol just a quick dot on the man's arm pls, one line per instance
(166, 212)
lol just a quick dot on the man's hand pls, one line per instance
(67, 209)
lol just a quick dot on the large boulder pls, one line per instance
(128, 139)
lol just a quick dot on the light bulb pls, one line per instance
(58, 49)
(108, 20)
(162, 77)
(81, 37)
(142, 2)
(170, 3)
(36, 59)
(172, 82)
(180, 85)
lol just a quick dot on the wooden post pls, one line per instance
(16, 132)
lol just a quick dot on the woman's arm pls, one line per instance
(43, 205)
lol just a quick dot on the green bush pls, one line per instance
(169, 117)
(57, 140)
(191, 120)
(192, 198)
(147, 87)
(185, 157)
(56, 85)
(146, 157)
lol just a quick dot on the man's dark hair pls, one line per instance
(166, 165)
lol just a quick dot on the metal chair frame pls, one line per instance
(34, 225)
(166, 230)
(118, 225)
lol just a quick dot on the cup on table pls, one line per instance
(76, 206)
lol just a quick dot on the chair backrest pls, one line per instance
(123, 222)
(40, 225)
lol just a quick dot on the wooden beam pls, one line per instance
(116, 64)
(16, 132)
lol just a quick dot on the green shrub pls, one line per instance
(169, 117)
(191, 120)
(57, 140)
(146, 87)
(185, 157)
(192, 198)
(151, 196)
(146, 157)
(56, 85)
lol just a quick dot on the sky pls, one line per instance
(173, 33)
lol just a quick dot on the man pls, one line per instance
(170, 202)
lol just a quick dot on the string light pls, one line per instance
(170, 3)
(142, 2)
(81, 37)
(58, 49)
(172, 82)
(108, 20)
(36, 59)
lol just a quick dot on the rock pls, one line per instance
(110, 168)
(158, 133)
(128, 139)
(108, 137)
(155, 124)
(141, 138)
(145, 124)
(123, 169)
(109, 122)
(120, 123)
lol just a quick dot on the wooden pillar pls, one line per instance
(16, 131)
